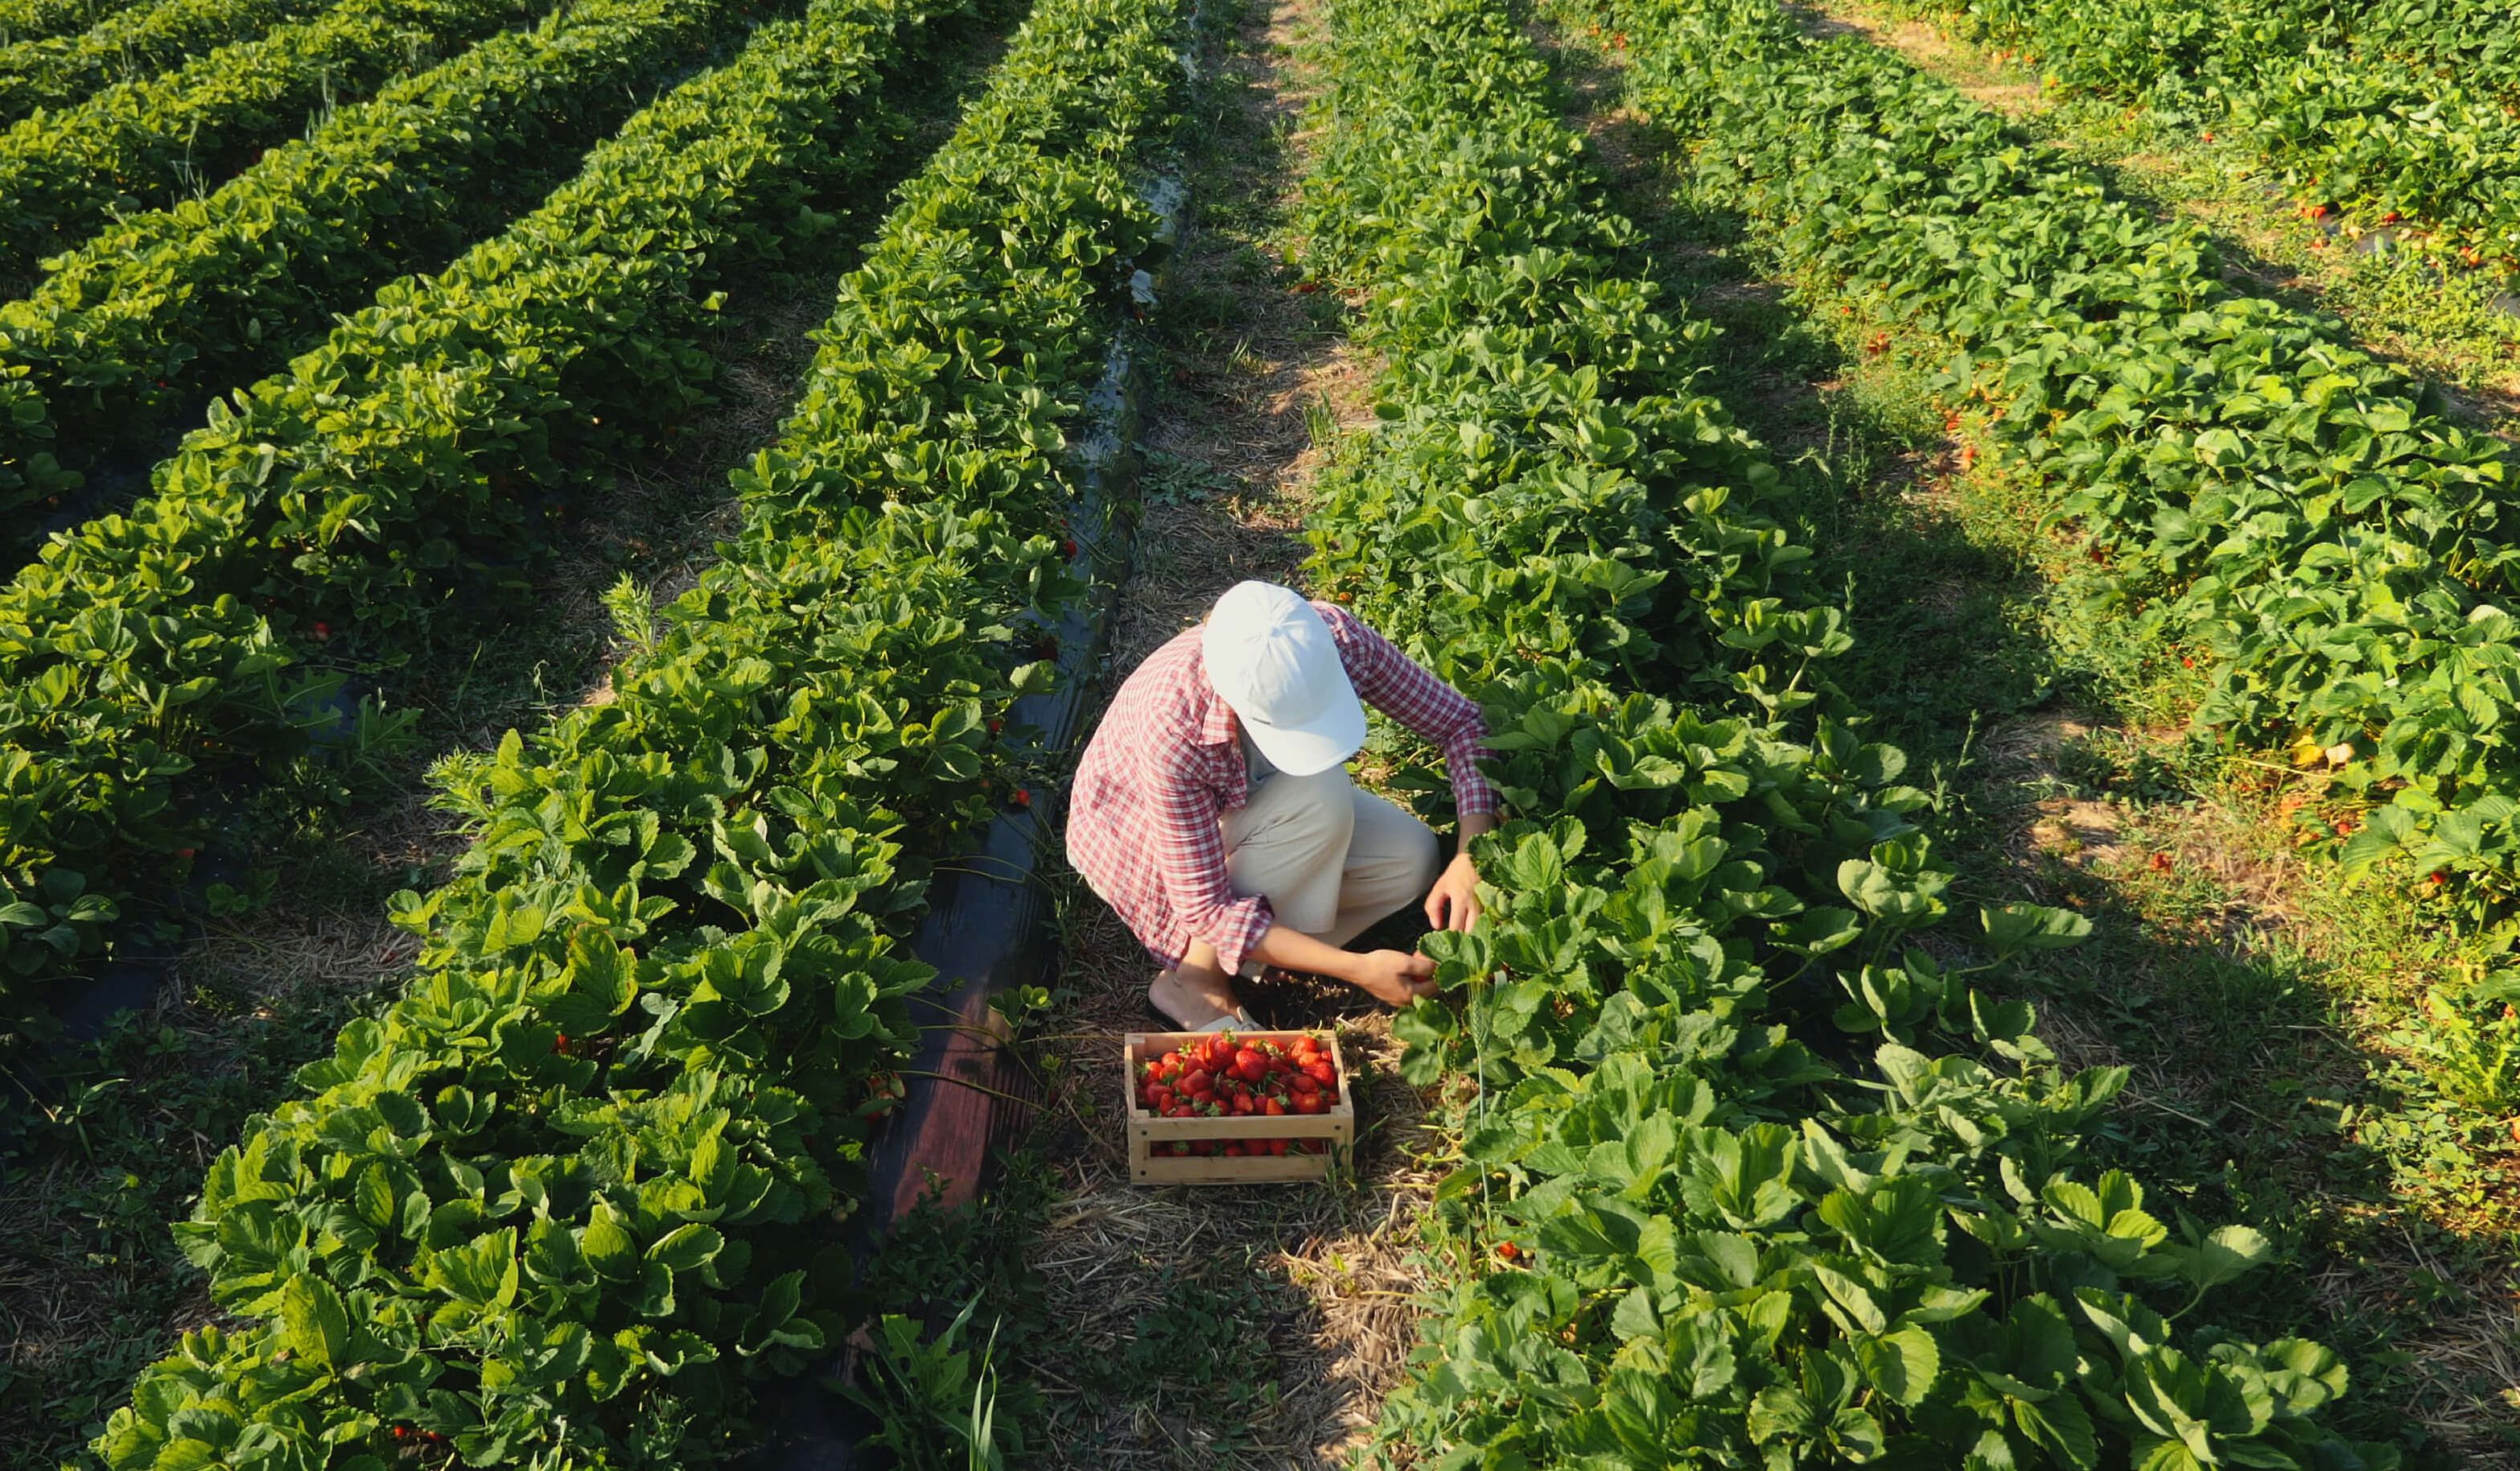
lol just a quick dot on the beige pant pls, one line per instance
(1331, 859)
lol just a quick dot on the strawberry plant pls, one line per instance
(145, 318)
(1783, 1184)
(154, 140)
(568, 1193)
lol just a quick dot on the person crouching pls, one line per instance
(1213, 811)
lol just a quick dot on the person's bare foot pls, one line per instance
(1192, 999)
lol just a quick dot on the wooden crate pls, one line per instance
(1145, 1131)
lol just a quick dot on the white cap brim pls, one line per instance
(1318, 745)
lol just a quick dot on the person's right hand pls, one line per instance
(1395, 978)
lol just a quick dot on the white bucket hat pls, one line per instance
(1273, 661)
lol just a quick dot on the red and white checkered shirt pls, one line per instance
(1167, 763)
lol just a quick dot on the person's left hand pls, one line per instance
(1454, 903)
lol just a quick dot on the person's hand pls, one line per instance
(1395, 978)
(1454, 903)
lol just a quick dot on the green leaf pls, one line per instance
(314, 1322)
(2062, 1428)
(1820, 930)
(606, 1244)
(2018, 928)
(1903, 1365)
(480, 1273)
(686, 1247)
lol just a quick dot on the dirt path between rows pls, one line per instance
(1254, 1327)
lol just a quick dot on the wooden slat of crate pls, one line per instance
(1145, 1131)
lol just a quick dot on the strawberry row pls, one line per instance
(150, 143)
(162, 309)
(51, 72)
(397, 475)
(38, 19)
(2260, 497)
(1676, 1234)
(2400, 113)
(572, 1191)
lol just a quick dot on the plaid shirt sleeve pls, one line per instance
(1190, 853)
(1408, 692)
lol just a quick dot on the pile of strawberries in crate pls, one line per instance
(1221, 1076)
